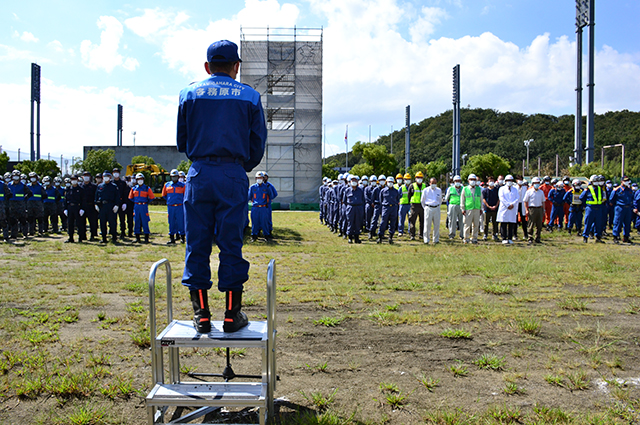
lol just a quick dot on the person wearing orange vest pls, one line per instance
(546, 187)
(141, 195)
(471, 205)
(173, 193)
(416, 212)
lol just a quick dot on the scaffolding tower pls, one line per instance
(285, 66)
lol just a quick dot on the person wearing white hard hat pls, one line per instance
(354, 209)
(259, 198)
(322, 189)
(508, 209)
(141, 195)
(594, 199)
(471, 205)
(173, 193)
(534, 201)
(389, 200)
(454, 212)
(368, 201)
(576, 207)
(377, 206)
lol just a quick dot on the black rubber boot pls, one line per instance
(626, 239)
(172, 241)
(182, 239)
(358, 239)
(146, 238)
(201, 313)
(234, 319)
(138, 238)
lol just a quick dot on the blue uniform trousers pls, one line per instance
(260, 220)
(176, 219)
(593, 220)
(215, 201)
(141, 219)
(404, 211)
(575, 218)
(557, 213)
(106, 216)
(368, 213)
(375, 216)
(622, 217)
(270, 220)
(389, 220)
(355, 217)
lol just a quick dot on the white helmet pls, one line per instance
(173, 172)
(181, 173)
(391, 179)
(340, 176)
(259, 174)
(382, 177)
(365, 178)
(353, 177)
(457, 178)
(535, 180)
(373, 178)
(139, 176)
(474, 177)
(593, 178)
(508, 177)
(575, 182)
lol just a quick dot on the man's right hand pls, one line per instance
(97, 208)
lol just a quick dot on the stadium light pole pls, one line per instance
(527, 143)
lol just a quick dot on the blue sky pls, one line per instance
(379, 55)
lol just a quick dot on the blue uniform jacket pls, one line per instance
(586, 195)
(38, 193)
(52, 195)
(19, 191)
(273, 193)
(354, 196)
(239, 131)
(556, 196)
(259, 195)
(107, 194)
(389, 196)
(622, 197)
(73, 197)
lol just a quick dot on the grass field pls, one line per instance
(368, 334)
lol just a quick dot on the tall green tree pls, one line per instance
(42, 167)
(99, 160)
(184, 166)
(328, 171)
(376, 157)
(485, 165)
(4, 160)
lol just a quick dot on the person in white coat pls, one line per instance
(508, 209)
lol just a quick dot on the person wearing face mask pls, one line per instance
(321, 196)
(454, 212)
(405, 206)
(431, 199)
(556, 196)
(389, 201)
(534, 201)
(74, 210)
(122, 205)
(636, 206)
(471, 204)
(273, 194)
(35, 207)
(490, 204)
(173, 193)
(332, 201)
(182, 178)
(609, 210)
(567, 186)
(594, 198)
(130, 181)
(368, 201)
(500, 182)
(546, 187)
(576, 207)
(141, 195)
(377, 207)
(508, 209)
(50, 205)
(342, 185)
(62, 189)
(5, 194)
(354, 200)
(622, 199)
(17, 206)
(107, 204)
(364, 185)
(416, 213)
(523, 186)
(259, 198)
(88, 197)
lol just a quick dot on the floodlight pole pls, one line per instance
(591, 82)
(527, 143)
(407, 134)
(577, 143)
(455, 156)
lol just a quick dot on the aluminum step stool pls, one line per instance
(209, 396)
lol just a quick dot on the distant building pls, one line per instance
(167, 155)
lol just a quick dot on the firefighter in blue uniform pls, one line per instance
(273, 194)
(123, 190)
(368, 201)
(622, 200)
(556, 196)
(35, 207)
(74, 210)
(389, 201)
(341, 187)
(107, 203)
(609, 211)
(62, 187)
(354, 201)
(17, 205)
(259, 194)
(321, 196)
(88, 197)
(594, 199)
(576, 207)
(50, 205)
(173, 193)
(5, 194)
(221, 128)
(331, 204)
(377, 208)
(141, 195)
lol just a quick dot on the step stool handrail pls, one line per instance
(152, 311)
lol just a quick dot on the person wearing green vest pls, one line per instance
(454, 212)
(404, 203)
(471, 205)
(416, 212)
(594, 198)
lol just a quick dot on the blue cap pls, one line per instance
(223, 51)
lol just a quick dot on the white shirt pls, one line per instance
(509, 196)
(534, 198)
(431, 197)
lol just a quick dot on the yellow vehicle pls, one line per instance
(158, 176)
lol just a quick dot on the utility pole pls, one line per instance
(455, 156)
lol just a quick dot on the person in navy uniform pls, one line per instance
(375, 199)
(74, 210)
(622, 200)
(576, 207)
(556, 196)
(354, 200)
(273, 194)
(88, 198)
(331, 205)
(62, 188)
(123, 190)
(321, 195)
(5, 194)
(107, 204)
(609, 210)
(173, 193)
(389, 200)
(594, 199)
(636, 206)
(368, 201)
(50, 204)
(141, 195)
(221, 128)
(35, 207)
(128, 209)
(259, 194)
(17, 205)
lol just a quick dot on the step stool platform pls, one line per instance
(181, 333)
(208, 394)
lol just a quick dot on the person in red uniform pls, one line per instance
(546, 187)
(141, 195)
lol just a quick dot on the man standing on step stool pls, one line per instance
(221, 128)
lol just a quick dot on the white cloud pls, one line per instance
(105, 55)
(28, 37)
(10, 53)
(426, 23)
(56, 46)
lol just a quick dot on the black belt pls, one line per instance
(536, 207)
(433, 206)
(220, 159)
(73, 205)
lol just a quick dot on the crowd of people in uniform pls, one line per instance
(84, 204)
(350, 206)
